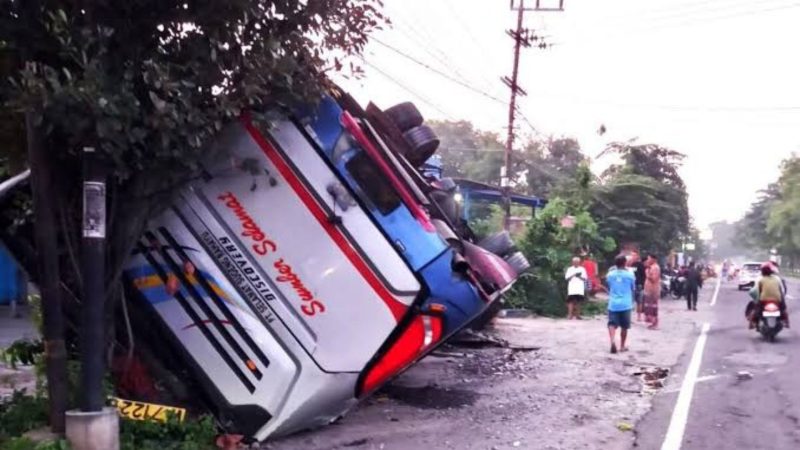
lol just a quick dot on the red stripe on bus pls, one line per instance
(398, 309)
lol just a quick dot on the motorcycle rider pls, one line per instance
(769, 288)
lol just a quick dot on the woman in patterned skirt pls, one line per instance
(652, 291)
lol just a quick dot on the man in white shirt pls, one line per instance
(576, 288)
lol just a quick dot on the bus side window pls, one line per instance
(375, 186)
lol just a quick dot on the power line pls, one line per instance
(440, 73)
(409, 90)
(428, 41)
(420, 42)
(644, 28)
(687, 9)
(478, 44)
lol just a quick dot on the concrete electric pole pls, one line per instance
(522, 38)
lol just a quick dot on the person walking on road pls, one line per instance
(652, 291)
(694, 281)
(576, 277)
(621, 288)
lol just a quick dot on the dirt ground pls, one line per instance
(570, 394)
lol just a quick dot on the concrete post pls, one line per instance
(95, 430)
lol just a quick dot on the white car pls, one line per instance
(748, 274)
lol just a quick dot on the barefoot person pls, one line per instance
(621, 288)
(576, 288)
(652, 291)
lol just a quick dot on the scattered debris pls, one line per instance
(476, 339)
(357, 442)
(744, 375)
(652, 377)
(624, 426)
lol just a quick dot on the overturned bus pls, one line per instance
(311, 263)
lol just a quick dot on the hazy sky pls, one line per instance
(715, 79)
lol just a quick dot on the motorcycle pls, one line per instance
(665, 285)
(678, 287)
(771, 323)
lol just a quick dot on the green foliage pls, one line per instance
(174, 435)
(550, 166)
(539, 167)
(24, 412)
(594, 308)
(642, 210)
(469, 153)
(751, 231)
(22, 352)
(783, 222)
(148, 83)
(773, 220)
(550, 247)
(643, 201)
(27, 444)
(21, 413)
(649, 160)
(486, 219)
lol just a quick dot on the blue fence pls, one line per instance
(13, 282)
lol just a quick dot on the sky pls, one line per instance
(714, 79)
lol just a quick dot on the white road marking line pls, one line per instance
(716, 292)
(680, 415)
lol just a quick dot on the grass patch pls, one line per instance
(594, 308)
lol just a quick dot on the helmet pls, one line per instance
(771, 266)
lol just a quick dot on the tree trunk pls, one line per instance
(46, 239)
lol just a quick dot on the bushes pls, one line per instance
(20, 414)
(550, 247)
(194, 434)
(25, 412)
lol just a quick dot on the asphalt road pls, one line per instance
(757, 409)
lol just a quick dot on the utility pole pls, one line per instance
(94, 254)
(93, 426)
(522, 38)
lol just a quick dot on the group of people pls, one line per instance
(632, 284)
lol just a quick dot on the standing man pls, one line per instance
(590, 266)
(640, 274)
(576, 288)
(694, 281)
(652, 291)
(621, 287)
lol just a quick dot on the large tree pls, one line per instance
(643, 200)
(783, 221)
(751, 230)
(540, 167)
(550, 164)
(467, 152)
